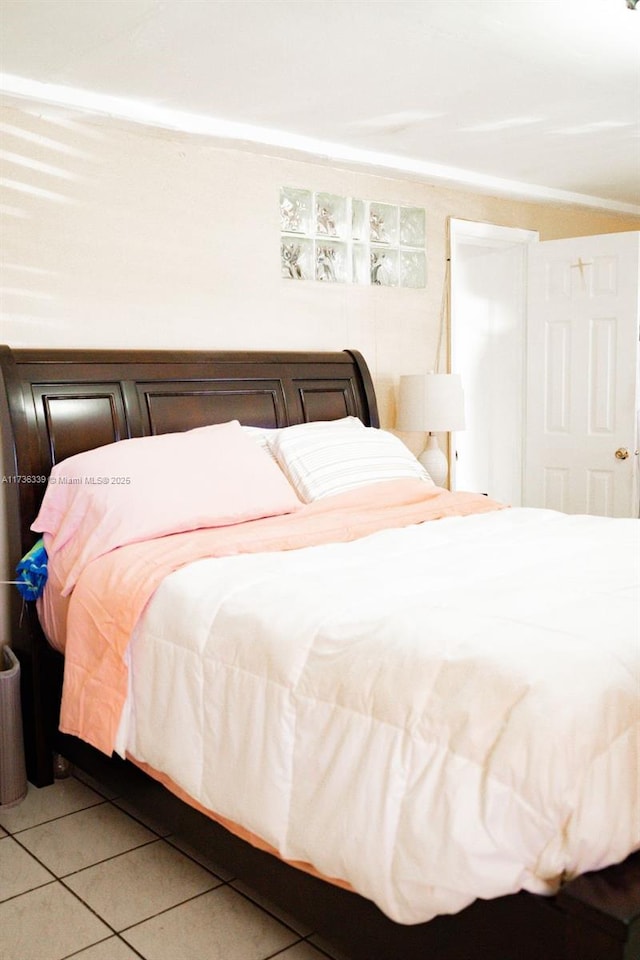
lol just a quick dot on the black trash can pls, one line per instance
(13, 775)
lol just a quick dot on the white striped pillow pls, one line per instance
(266, 436)
(330, 459)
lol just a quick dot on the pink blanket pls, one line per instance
(113, 590)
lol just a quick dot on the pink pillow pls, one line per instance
(153, 486)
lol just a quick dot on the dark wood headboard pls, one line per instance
(63, 402)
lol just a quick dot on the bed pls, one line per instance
(64, 403)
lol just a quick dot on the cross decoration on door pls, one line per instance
(581, 264)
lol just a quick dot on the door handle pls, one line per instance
(621, 453)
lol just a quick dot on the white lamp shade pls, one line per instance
(432, 402)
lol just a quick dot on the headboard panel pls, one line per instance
(62, 402)
(168, 406)
(60, 408)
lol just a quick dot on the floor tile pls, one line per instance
(219, 925)
(303, 929)
(139, 884)
(84, 838)
(47, 803)
(19, 872)
(47, 924)
(112, 949)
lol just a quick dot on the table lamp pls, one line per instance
(431, 403)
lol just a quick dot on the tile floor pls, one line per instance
(83, 875)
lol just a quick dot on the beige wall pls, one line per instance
(153, 238)
(117, 235)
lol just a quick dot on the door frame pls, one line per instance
(496, 237)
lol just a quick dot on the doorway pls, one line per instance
(488, 344)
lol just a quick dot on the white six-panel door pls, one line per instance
(582, 375)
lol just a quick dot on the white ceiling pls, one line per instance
(537, 98)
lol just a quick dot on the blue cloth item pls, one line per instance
(32, 572)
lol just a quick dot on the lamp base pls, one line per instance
(434, 461)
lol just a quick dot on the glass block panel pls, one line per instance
(413, 270)
(332, 264)
(383, 267)
(383, 223)
(330, 215)
(412, 227)
(296, 210)
(296, 258)
(361, 263)
(337, 239)
(359, 220)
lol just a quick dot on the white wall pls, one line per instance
(124, 235)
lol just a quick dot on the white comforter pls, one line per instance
(433, 714)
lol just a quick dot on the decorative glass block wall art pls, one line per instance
(335, 239)
(296, 255)
(412, 268)
(332, 261)
(360, 265)
(383, 267)
(359, 217)
(331, 216)
(315, 232)
(412, 232)
(296, 208)
(383, 223)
